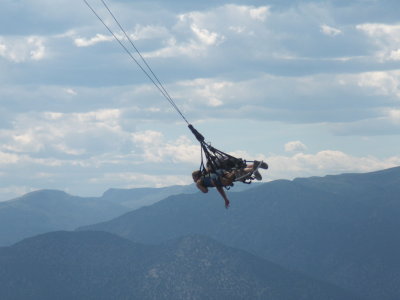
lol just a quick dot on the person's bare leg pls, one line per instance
(201, 187)
(223, 194)
(248, 168)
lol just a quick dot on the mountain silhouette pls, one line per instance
(342, 229)
(48, 210)
(99, 265)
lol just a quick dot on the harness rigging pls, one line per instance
(215, 159)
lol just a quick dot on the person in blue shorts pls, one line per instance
(221, 178)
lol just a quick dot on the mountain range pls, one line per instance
(342, 229)
(320, 237)
(99, 265)
(49, 210)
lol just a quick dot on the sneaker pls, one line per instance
(257, 175)
(263, 165)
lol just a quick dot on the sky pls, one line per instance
(310, 87)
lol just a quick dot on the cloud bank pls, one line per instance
(313, 85)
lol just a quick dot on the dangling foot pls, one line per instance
(263, 165)
(257, 175)
(226, 204)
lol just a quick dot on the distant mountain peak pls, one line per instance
(47, 193)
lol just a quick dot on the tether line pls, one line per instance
(154, 80)
(140, 55)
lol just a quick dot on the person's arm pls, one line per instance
(220, 189)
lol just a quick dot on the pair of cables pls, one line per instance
(141, 62)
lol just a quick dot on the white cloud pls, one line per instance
(295, 146)
(154, 148)
(386, 37)
(205, 36)
(385, 83)
(380, 30)
(243, 12)
(38, 50)
(62, 133)
(326, 98)
(237, 29)
(202, 91)
(98, 38)
(394, 54)
(258, 13)
(197, 32)
(71, 91)
(134, 180)
(3, 49)
(53, 115)
(145, 32)
(325, 162)
(195, 46)
(8, 158)
(21, 49)
(394, 115)
(246, 66)
(331, 31)
(63, 148)
(147, 137)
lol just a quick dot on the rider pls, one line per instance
(221, 178)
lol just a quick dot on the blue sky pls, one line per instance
(311, 87)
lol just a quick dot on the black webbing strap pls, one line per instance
(197, 134)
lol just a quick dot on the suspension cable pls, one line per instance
(140, 55)
(153, 79)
